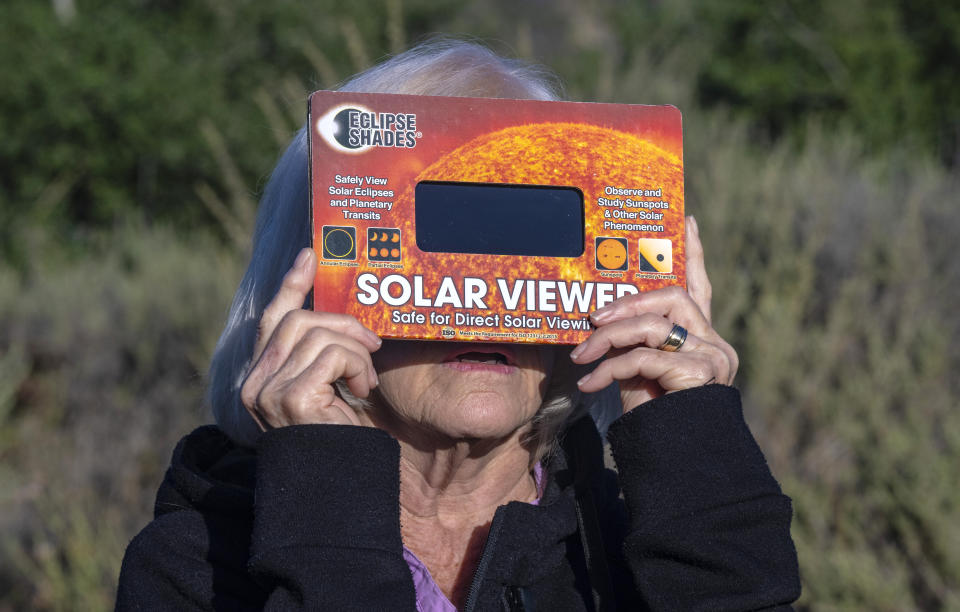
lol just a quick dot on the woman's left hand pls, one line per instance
(631, 330)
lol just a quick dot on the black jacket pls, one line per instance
(310, 520)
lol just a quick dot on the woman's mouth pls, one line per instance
(481, 359)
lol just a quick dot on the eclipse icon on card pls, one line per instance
(383, 244)
(339, 242)
(656, 255)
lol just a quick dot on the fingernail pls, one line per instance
(374, 338)
(584, 380)
(601, 315)
(576, 351)
(302, 258)
(693, 224)
(374, 380)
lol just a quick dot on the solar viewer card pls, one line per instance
(491, 220)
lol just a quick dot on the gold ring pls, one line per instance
(675, 339)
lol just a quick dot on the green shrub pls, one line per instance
(834, 277)
(104, 372)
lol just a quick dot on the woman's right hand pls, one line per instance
(300, 354)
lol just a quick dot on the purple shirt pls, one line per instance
(429, 596)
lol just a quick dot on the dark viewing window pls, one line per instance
(498, 219)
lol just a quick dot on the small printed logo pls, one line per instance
(355, 129)
(339, 242)
(656, 255)
(383, 244)
(446, 332)
(611, 253)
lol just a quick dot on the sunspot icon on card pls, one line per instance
(611, 253)
(383, 244)
(656, 255)
(339, 242)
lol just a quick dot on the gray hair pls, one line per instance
(441, 67)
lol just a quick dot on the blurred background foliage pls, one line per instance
(821, 145)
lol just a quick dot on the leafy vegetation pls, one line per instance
(820, 149)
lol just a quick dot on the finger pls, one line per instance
(672, 371)
(295, 324)
(648, 330)
(294, 288)
(291, 349)
(312, 343)
(698, 284)
(672, 303)
(305, 398)
(335, 363)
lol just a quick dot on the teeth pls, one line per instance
(489, 359)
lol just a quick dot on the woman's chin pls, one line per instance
(479, 416)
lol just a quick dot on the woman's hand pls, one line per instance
(631, 330)
(300, 354)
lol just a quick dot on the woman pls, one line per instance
(353, 473)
